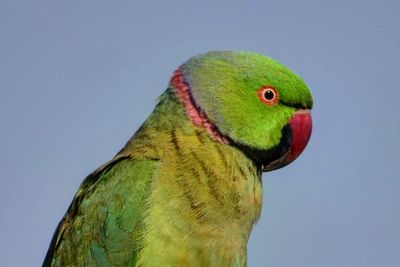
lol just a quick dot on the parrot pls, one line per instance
(186, 189)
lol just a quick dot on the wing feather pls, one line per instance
(103, 224)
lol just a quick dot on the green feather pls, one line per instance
(175, 195)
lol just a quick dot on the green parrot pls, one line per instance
(186, 189)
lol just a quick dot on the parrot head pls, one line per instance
(249, 101)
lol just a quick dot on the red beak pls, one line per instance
(301, 128)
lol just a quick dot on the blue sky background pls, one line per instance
(77, 78)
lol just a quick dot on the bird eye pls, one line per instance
(268, 95)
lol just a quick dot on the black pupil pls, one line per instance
(269, 95)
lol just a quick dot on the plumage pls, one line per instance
(186, 189)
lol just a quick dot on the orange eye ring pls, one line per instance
(268, 95)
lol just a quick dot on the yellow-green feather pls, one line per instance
(176, 198)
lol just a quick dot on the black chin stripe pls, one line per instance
(265, 156)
